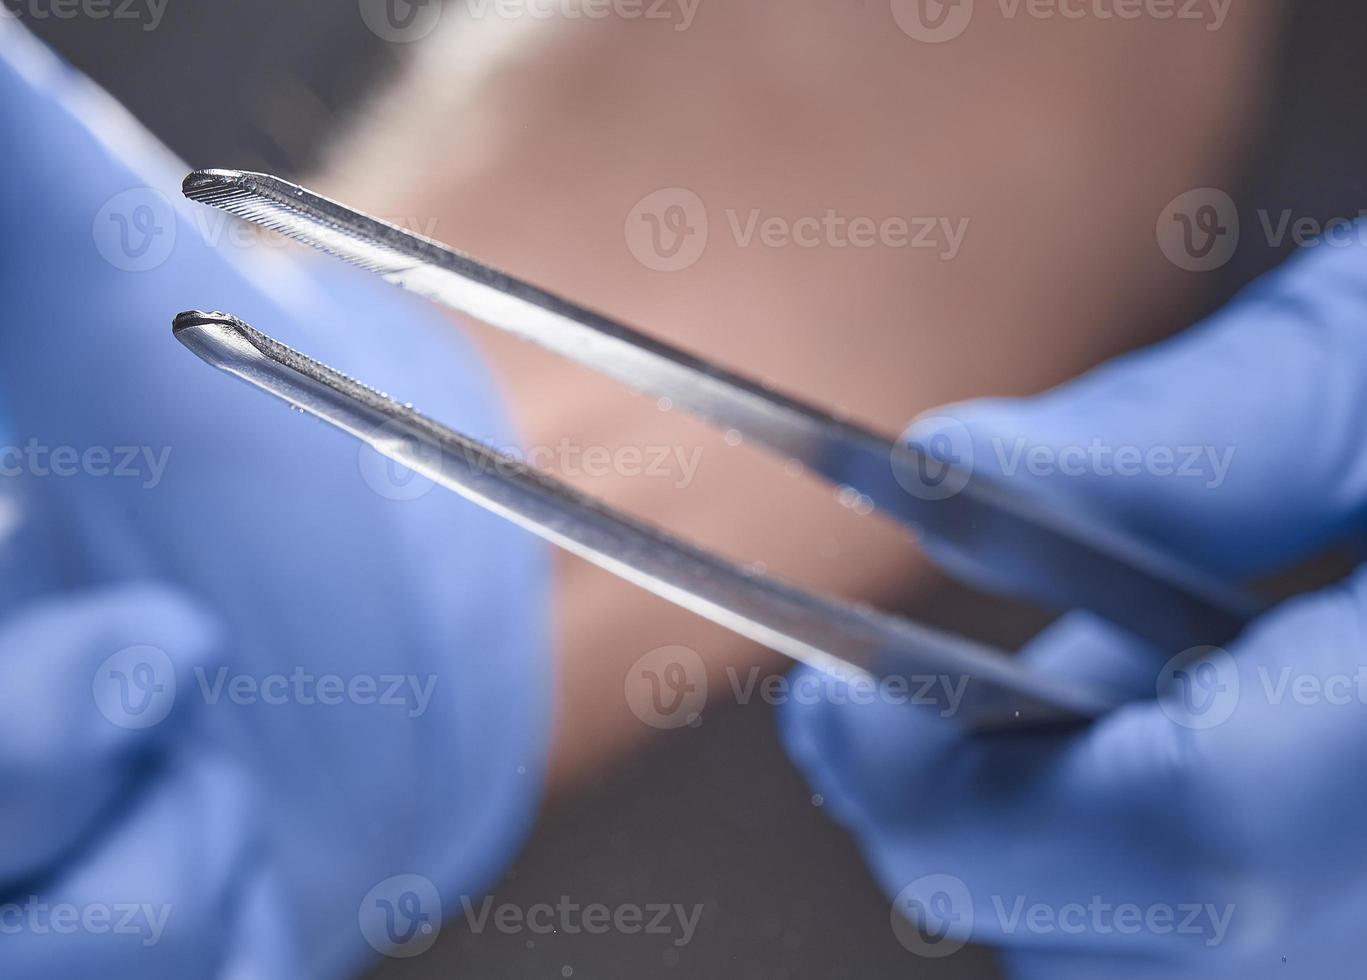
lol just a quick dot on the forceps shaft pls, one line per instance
(964, 680)
(1068, 559)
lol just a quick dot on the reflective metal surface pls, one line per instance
(960, 679)
(1089, 565)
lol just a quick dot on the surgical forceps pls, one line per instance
(1093, 566)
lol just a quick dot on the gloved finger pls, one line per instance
(169, 891)
(1083, 648)
(967, 831)
(1163, 808)
(89, 692)
(872, 756)
(1237, 423)
(1276, 721)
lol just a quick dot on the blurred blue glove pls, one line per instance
(170, 876)
(279, 699)
(1211, 832)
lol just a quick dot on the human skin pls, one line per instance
(1051, 144)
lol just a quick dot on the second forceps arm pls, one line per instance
(847, 640)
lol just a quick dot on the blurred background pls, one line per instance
(714, 815)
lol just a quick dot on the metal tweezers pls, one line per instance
(1091, 566)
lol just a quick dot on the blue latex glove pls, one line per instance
(130, 851)
(1222, 816)
(242, 551)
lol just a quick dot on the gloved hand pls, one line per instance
(1209, 832)
(149, 850)
(327, 714)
